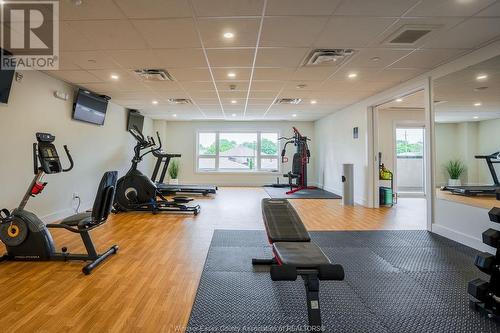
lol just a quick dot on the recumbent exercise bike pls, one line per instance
(27, 238)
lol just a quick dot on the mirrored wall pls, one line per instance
(467, 142)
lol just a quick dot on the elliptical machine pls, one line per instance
(27, 238)
(299, 163)
(136, 192)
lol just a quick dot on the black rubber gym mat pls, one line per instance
(396, 281)
(318, 193)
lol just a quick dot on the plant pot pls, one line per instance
(454, 182)
(173, 181)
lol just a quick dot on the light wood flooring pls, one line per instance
(150, 285)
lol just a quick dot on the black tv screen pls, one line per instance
(6, 76)
(135, 119)
(90, 108)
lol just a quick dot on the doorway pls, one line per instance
(409, 164)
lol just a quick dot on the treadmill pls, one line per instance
(486, 190)
(164, 158)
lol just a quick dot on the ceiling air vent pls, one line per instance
(410, 34)
(328, 57)
(288, 101)
(153, 75)
(179, 101)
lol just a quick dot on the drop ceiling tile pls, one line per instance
(219, 8)
(375, 8)
(73, 40)
(291, 31)
(198, 85)
(245, 32)
(363, 58)
(232, 94)
(309, 85)
(262, 94)
(168, 33)
(232, 86)
(75, 76)
(88, 60)
(260, 103)
(267, 85)
(133, 59)
(205, 102)
(66, 62)
(301, 7)
(163, 86)
(180, 58)
(352, 32)
(312, 73)
(90, 9)
(220, 74)
(212, 95)
(399, 74)
(154, 8)
(449, 7)
(109, 34)
(110, 88)
(190, 74)
(280, 57)
(279, 74)
(230, 57)
(428, 59)
(493, 10)
(469, 34)
(105, 75)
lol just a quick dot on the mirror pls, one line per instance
(467, 145)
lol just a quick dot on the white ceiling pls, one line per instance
(272, 38)
(457, 93)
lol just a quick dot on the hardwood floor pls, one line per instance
(150, 285)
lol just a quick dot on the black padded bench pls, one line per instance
(295, 254)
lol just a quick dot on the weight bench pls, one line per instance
(295, 254)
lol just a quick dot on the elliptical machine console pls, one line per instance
(136, 192)
(27, 238)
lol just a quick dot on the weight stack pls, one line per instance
(485, 295)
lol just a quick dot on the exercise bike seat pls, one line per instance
(78, 220)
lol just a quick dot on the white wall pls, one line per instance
(180, 138)
(336, 146)
(463, 141)
(33, 108)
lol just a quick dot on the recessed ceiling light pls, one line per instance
(301, 86)
(174, 115)
(314, 101)
(478, 104)
(294, 115)
(154, 102)
(231, 75)
(228, 35)
(475, 117)
(352, 75)
(234, 115)
(233, 102)
(399, 100)
(114, 76)
(375, 59)
(481, 77)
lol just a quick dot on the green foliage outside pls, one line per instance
(403, 146)
(250, 163)
(268, 147)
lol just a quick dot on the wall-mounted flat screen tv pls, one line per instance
(90, 107)
(6, 76)
(135, 119)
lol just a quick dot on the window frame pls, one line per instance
(258, 156)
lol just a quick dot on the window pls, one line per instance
(238, 151)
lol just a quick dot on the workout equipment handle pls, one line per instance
(70, 158)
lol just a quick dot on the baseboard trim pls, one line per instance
(61, 214)
(462, 238)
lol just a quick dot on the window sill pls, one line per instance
(256, 173)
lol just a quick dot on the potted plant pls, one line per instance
(455, 169)
(173, 172)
